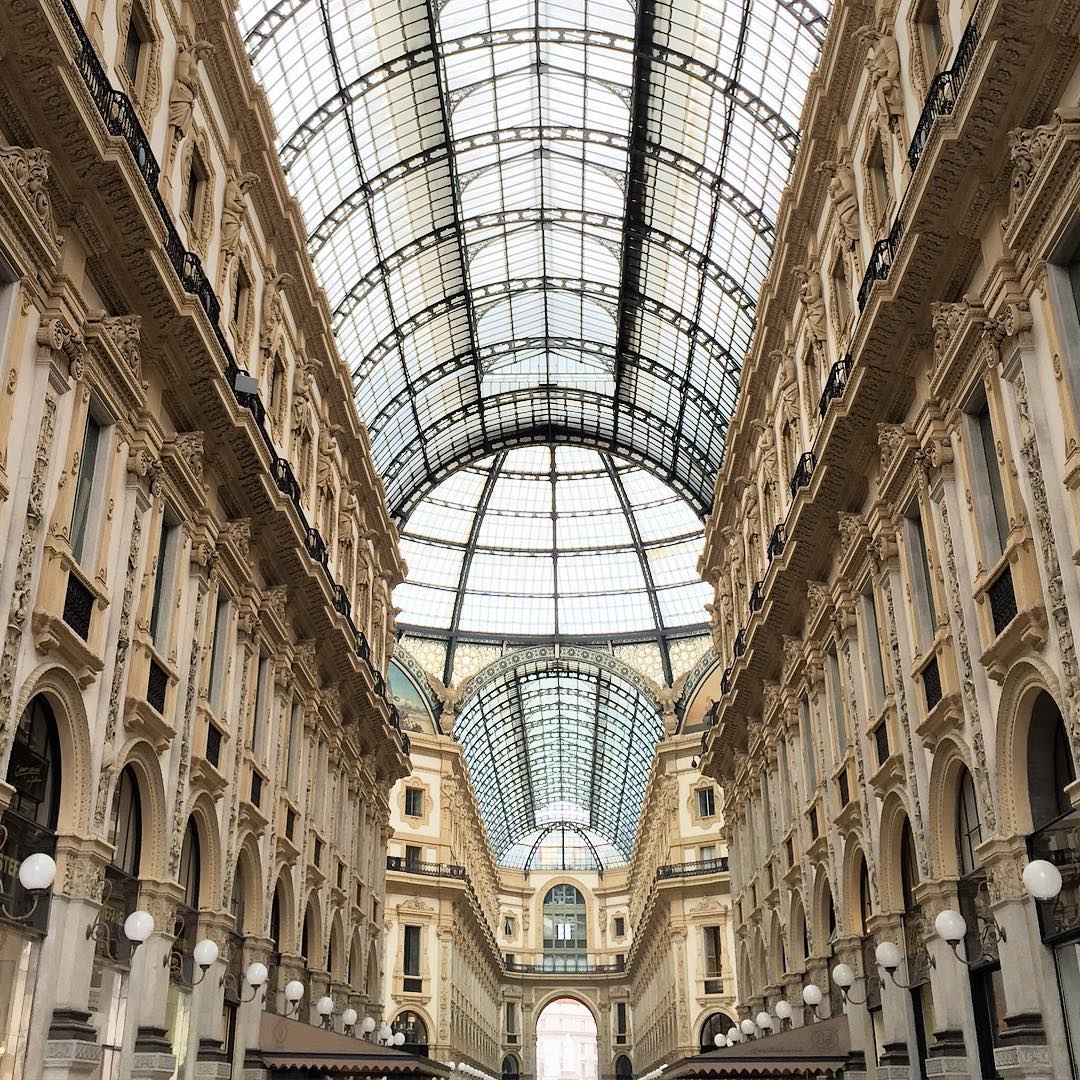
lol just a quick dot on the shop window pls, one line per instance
(968, 825)
(511, 1070)
(624, 1068)
(34, 766)
(1050, 764)
(414, 802)
(412, 1027)
(190, 863)
(715, 1024)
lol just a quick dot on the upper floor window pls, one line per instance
(218, 645)
(990, 509)
(870, 641)
(164, 583)
(836, 702)
(292, 750)
(565, 928)
(707, 852)
(931, 34)
(190, 859)
(411, 951)
(413, 856)
(809, 751)
(706, 802)
(620, 926)
(263, 694)
(711, 956)
(241, 291)
(922, 591)
(134, 43)
(785, 782)
(91, 465)
(879, 182)
(414, 802)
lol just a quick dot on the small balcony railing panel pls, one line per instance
(696, 868)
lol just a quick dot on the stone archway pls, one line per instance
(566, 1041)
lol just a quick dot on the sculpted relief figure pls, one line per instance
(843, 196)
(185, 91)
(883, 68)
(233, 210)
(813, 302)
(273, 317)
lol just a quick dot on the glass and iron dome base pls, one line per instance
(548, 542)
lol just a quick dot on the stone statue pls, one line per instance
(273, 316)
(233, 210)
(810, 293)
(185, 91)
(842, 194)
(883, 68)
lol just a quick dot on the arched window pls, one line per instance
(909, 867)
(624, 1069)
(413, 1028)
(127, 823)
(190, 865)
(715, 1024)
(238, 896)
(309, 937)
(511, 1070)
(864, 896)
(968, 825)
(275, 919)
(34, 767)
(1050, 763)
(565, 929)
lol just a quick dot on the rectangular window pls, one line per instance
(871, 649)
(707, 852)
(133, 44)
(706, 802)
(620, 926)
(192, 195)
(919, 569)
(620, 1019)
(809, 752)
(164, 584)
(785, 782)
(263, 694)
(240, 296)
(292, 762)
(414, 801)
(933, 38)
(411, 955)
(218, 647)
(89, 463)
(879, 180)
(413, 857)
(711, 958)
(511, 1018)
(836, 703)
(990, 495)
(766, 813)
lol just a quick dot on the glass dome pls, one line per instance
(552, 541)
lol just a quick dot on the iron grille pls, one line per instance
(725, 681)
(157, 682)
(836, 384)
(740, 642)
(776, 542)
(1002, 600)
(757, 596)
(881, 261)
(78, 606)
(931, 681)
(803, 471)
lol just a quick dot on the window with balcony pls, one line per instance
(880, 187)
(414, 855)
(135, 42)
(931, 35)
(565, 929)
(240, 297)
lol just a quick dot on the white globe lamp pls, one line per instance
(1042, 879)
(719, 1040)
(348, 1018)
(205, 953)
(783, 1010)
(294, 991)
(399, 1038)
(37, 872)
(748, 1026)
(812, 995)
(843, 975)
(950, 926)
(368, 1026)
(138, 926)
(256, 974)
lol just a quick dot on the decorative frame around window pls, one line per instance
(424, 817)
(242, 315)
(199, 226)
(921, 70)
(145, 90)
(877, 206)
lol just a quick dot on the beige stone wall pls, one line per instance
(859, 686)
(236, 669)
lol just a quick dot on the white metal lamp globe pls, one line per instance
(325, 1005)
(1042, 879)
(294, 991)
(734, 1035)
(764, 1021)
(887, 955)
(256, 974)
(811, 995)
(368, 1026)
(748, 1026)
(205, 953)
(37, 872)
(451, 1066)
(843, 975)
(138, 926)
(719, 1040)
(399, 1038)
(783, 1010)
(950, 926)
(348, 1017)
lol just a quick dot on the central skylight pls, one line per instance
(539, 220)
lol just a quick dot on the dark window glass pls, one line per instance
(411, 960)
(190, 865)
(84, 486)
(34, 766)
(132, 50)
(127, 823)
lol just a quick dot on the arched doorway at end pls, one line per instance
(566, 1041)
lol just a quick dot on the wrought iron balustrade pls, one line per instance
(697, 868)
(944, 92)
(881, 260)
(757, 596)
(552, 964)
(725, 681)
(405, 865)
(836, 384)
(777, 541)
(740, 643)
(803, 471)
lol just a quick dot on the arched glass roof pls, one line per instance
(552, 541)
(542, 220)
(559, 740)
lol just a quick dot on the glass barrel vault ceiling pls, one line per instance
(559, 741)
(540, 219)
(552, 541)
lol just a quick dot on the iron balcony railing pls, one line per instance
(427, 869)
(757, 597)
(803, 471)
(554, 964)
(836, 384)
(881, 260)
(121, 120)
(944, 92)
(776, 542)
(692, 869)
